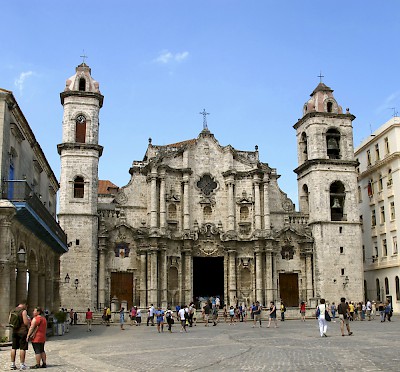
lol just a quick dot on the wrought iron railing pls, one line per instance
(19, 191)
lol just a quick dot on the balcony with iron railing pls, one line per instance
(33, 214)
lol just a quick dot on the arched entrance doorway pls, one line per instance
(208, 277)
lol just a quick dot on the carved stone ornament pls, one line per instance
(122, 249)
(121, 198)
(206, 184)
(287, 252)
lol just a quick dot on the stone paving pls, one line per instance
(294, 346)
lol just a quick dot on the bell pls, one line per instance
(336, 204)
(332, 144)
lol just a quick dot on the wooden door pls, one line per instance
(122, 287)
(289, 289)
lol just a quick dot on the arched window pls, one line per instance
(337, 200)
(303, 147)
(329, 106)
(333, 143)
(378, 290)
(397, 288)
(80, 129)
(386, 286)
(304, 204)
(82, 84)
(79, 187)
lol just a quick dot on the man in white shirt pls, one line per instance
(182, 316)
(150, 315)
(369, 308)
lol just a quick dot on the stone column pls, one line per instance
(232, 278)
(187, 274)
(257, 204)
(7, 211)
(267, 219)
(163, 277)
(153, 198)
(49, 305)
(231, 206)
(186, 215)
(259, 289)
(269, 290)
(309, 281)
(153, 290)
(41, 290)
(21, 283)
(102, 274)
(142, 280)
(33, 293)
(163, 206)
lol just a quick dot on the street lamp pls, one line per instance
(66, 279)
(21, 254)
(76, 284)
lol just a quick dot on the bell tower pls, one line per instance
(79, 155)
(327, 182)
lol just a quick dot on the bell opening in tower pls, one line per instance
(208, 279)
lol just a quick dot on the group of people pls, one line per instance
(26, 329)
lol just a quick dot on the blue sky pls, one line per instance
(250, 64)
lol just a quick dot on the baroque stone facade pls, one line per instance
(201, 219)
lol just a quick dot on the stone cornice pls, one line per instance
(310, 163)
(329, 115)
(79, 146)
(373, 168)
(83, 94)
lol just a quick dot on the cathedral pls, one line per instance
(200, 219)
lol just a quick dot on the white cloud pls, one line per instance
(167, 57)
(388, 103)
(20, 81)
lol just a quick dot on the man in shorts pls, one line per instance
(19, 337)
(344, 315)
(160, 319)
(256, 311)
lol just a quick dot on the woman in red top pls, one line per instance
(37, 335)
(303, 311)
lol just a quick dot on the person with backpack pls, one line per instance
(283, 310)
(19, 322)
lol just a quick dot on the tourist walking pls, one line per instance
(283, 310)
(368, 309)
(333, 311)
(133, 315)
(381, 309)
(159, 313)
(303, 311)
(89, 320)
(272, 314)
(323, 325)
(71, 317)
(150, 315)
(182, 318)
(344, 315)
(122, 318)
(388, 311)
(19, 323)
(231, 315)
(206, 312)
(138, 317)
(108, 315)
(169, 316)
(256, 311)
(37, 335)
(225, 314)
(214, 313)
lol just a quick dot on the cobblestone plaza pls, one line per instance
(294, 346)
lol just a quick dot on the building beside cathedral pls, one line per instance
(31, 241)
(378, 180)
(200, 219)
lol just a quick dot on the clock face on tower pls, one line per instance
(80, 119)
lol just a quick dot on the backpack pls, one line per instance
(15, 318)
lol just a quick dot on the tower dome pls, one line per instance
(322, 100)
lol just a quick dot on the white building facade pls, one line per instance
(378, 180)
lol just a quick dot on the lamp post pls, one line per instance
(66, 279)
(21, 254)
(76, 284)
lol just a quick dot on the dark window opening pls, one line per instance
(341, 250)
(386, 286)
(78, 187)
(337, 199)
(77, 241)
(329, 106)
(333, 144)
(303, 146)
(82, 84)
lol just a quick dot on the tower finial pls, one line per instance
(204, 113)
(320, 76)
(83, 56)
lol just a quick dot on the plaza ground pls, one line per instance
(294, 346)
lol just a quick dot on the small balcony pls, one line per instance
(34, 215)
